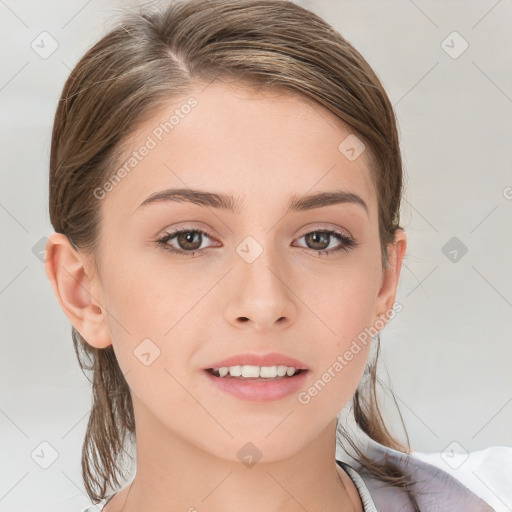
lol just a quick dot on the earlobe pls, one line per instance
(391, 275)
(72, 282)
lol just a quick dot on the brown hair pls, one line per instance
(148, 59)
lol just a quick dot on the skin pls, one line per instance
(262, 147)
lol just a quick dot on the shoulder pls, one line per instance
(486, 472)
(434, 488)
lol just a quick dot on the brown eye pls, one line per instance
(185, 241)
(319, 241)
(189, 240)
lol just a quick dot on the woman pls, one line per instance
(225, 186)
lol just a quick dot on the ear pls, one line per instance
(390, 275)
(75, 286)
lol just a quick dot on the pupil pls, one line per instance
(318, 238)
(186, 240)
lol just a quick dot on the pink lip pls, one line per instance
(270, 359)
(259, 390)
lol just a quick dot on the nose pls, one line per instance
(261, 294)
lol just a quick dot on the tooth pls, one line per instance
(281, 370)
(235, 371)
(250, 371)
(268, 372)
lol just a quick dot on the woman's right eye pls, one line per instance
(188, 241)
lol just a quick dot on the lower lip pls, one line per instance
(259, 390)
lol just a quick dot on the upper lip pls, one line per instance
(269, 359)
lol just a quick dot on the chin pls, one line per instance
(254, 447)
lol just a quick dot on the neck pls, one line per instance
(173, 474)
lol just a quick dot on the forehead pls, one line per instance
(265, 143)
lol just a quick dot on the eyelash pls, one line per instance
(347, 243)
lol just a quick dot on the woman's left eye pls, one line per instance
(321, 239)
(190, 240)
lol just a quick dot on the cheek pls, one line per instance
(341, 301)
(137, 317)
(141, 294)
(342, 309)
(151, 309)
(340, 359)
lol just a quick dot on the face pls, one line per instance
(261, 278)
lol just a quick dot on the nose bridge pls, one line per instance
(260, 262)
(260, 292)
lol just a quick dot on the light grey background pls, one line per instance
(448, 353)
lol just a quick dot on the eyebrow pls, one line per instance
(229, 203)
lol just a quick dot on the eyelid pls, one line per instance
(186, 226)
(185, 229)
(326, 227)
